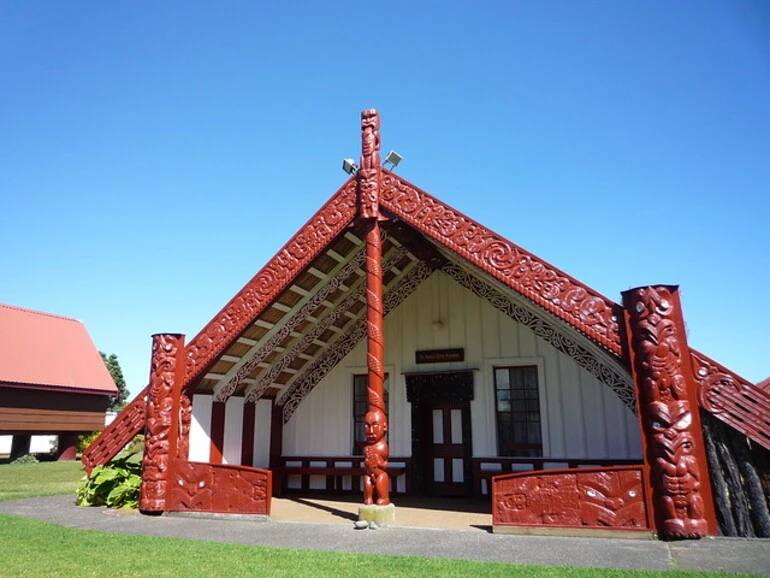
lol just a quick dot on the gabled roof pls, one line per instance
(305, 309)
(46, 351)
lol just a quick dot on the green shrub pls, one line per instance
(85, 440)
(25, 459)
(115, 485)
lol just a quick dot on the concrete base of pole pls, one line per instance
(381, 516)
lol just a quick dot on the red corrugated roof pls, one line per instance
(43, 350)
(765, 384)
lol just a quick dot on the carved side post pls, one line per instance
(667, 400)
(376, 482)
(165, 420)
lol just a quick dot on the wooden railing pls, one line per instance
(335, 474)
(484, 469)
(126, 425)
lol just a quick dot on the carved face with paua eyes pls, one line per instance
(375, 426)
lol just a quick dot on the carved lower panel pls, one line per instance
(732, 399)
(587, 311)
(159, 421)
(621, 384)
(345, 344)
(601, 498)
(125, 427)
(668, 407)
(198, 487)
(258, 293)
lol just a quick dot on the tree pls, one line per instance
(113, 366)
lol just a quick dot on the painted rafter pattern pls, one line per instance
(262, 351)
(266, 285)
(589, 312)
(356, 294)
(619, 382)
(355, 333)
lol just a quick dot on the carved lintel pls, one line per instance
(162, 420)
(668, 402)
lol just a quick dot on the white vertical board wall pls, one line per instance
(262, 428)
(200, 428)
(584, 418)
(233, 441)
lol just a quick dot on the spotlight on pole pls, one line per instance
(349, 166)
(393, 159)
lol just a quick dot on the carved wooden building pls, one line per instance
(502, 376)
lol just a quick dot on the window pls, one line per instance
(518, 411)
(360, 405)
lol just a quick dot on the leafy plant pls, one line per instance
(25, 459)
(115, 485)
(85, 440)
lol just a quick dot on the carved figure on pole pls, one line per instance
(666, 397)
(369, 173)
(376, 482)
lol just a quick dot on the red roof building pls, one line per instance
(52, 379)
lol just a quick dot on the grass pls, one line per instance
(33, 548)
(71, 552)
(43, 479)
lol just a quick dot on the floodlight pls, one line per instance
(393, 158)
(349, 166)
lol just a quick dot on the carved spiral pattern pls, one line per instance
(374, 312)
(589, 312)
(293, 397)
(270, 281)
(156, 459)
(620, 383)
(732, 399)
(658, 345)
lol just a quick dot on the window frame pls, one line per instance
(491, 365)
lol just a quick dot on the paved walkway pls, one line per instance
(471, 542)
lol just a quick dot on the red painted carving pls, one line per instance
(668, 410)
(376, 482)
(128, 423)
(160, 420)
(198, 487)
(263, 288)
(369, 172)
(577, 304)
(185, 421)
(732, 399)
(606, 498)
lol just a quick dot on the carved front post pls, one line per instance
(165, 420)
(667, 399)
(376, 482)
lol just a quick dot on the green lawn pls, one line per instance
(43, 479)
(33, 548)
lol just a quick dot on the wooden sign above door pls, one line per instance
(439, 355)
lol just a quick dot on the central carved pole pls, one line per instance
(376, 482)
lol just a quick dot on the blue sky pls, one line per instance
(154, 156)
